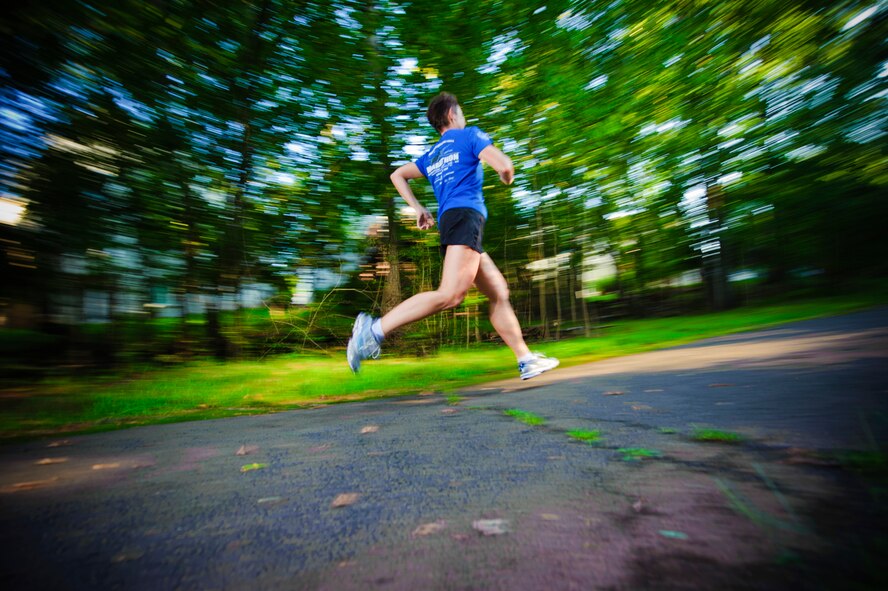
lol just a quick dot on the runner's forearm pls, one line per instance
(404, 190)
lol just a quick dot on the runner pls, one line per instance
(453, 167)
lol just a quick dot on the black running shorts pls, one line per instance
(461, 225)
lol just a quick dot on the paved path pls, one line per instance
(168, 507)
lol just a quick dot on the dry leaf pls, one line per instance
(127, 555)
(642, 407)
(30, 485)
(271, 500)
(720, 385)
(550, 516)
(428, 529)
(344, 500)
(49, 461)
(652, 390)
(449, 411)
(106, 466)
(370, 429)
(246, 450)
(59, 443)
(491, 527)
(638, 506)
(251, 467)
(614, 393)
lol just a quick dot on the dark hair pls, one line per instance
(439, 109)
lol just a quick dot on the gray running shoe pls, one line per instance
(362, 344)
(536, 366)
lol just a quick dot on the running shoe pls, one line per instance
(362, 344)
(536, 366)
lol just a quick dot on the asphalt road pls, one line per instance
(170, 507)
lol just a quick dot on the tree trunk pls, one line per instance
(715, 276)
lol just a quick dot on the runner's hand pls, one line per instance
(424, 219)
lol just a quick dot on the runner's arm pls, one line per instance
(498, 161)
(424, 219)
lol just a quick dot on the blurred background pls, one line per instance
(185, 179)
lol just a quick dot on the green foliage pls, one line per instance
(201, 150)
(715, 435)
(634, 454)
(583, 435)
(526, 417)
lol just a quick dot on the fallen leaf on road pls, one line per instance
(652, 390)
(427, 529)
(449, 411)
(49, 461)
(370, 429)
(720, 385)
(675, 535)
(549, 516)
(638, 506)
(59, 443)
(127, 555)
(251, 467)
(271, 500)
(30, 485)
(614, 393)
(344, 500)
(491, 527)
(320, 448)
(113, 466)
(808, 457)
(642, 407)
(246, 449)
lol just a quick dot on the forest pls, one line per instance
(185, 179)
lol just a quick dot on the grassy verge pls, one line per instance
(211, 390)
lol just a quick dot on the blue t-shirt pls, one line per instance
(454, 169)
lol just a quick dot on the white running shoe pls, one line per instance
(536, 366)
(362, 344)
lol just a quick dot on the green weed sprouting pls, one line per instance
(716, 436)
(583, 435)
(633, 454)
(528, 418)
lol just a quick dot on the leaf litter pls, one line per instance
(246, 450)
(345, 500)
(491, 527)
(427, 529)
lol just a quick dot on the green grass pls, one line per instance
(528, 418)
(714, 435)
(206, 389)
(634, 454)
(587, 436)
(454, 399)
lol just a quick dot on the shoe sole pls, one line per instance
(540, 372)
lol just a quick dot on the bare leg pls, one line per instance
(460, 267)
(492, 284)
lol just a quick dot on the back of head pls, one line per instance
(439, 110)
